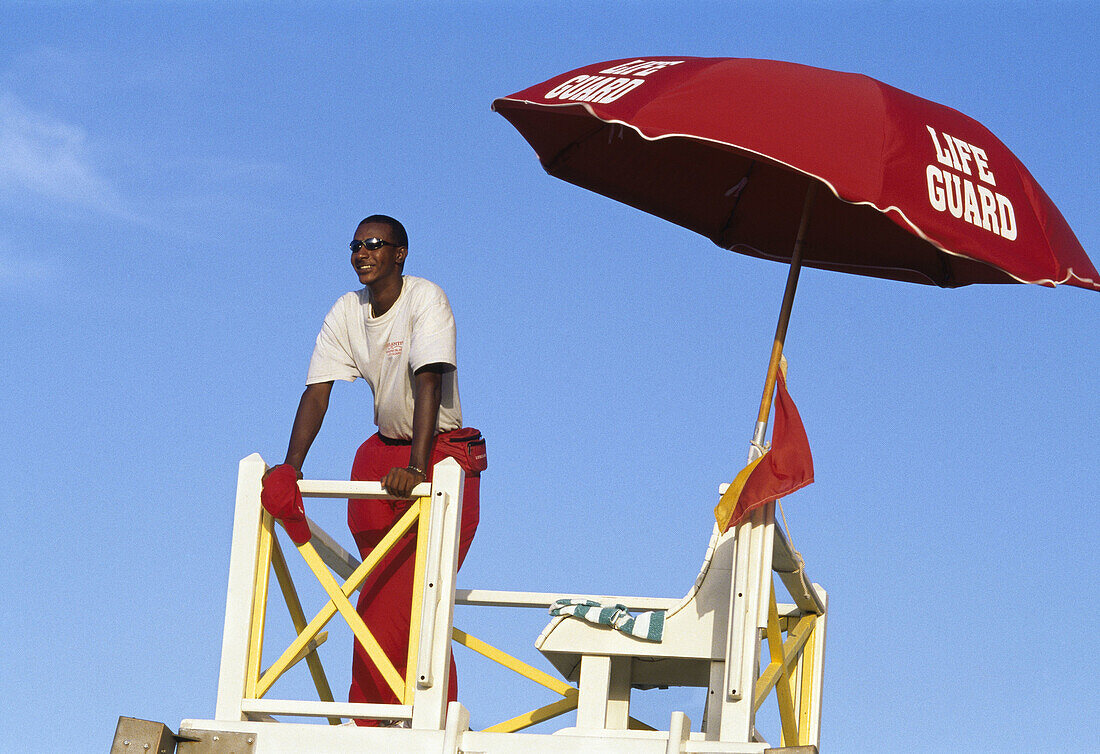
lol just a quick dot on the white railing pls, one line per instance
(794, 632)
(436, 514)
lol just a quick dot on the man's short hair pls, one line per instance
(400, 237)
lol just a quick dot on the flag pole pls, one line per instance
(781, 326)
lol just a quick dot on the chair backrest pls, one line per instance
(716, 538)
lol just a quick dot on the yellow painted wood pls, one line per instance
(632, 723)
(358, 576)
(514, 664)
(259, 605)
(807, 670)
(374, 557)
(536, 716)
(792, 648)
(309, 649)
(787, 720)
(419, 563)
(358, 627)
(298, 618)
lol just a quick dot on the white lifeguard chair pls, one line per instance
(712, 639)
(698, 647)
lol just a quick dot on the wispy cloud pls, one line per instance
(50, 158)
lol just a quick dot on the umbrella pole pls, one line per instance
(781, 325)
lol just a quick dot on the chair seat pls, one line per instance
(694, 632)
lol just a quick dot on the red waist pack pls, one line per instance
(467, 446)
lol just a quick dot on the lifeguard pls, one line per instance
(397, 333)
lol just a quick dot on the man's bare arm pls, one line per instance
(307, 422)
(427, 393)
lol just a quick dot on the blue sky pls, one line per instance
(178, 183)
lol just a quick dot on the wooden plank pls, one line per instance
(527, 719)
(512, 663)
(792, 572)
(299, 708)
(496, 598)
(239, 593)
(366, 490)
(342, 562)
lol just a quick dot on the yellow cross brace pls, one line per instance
(792, 648)
(298, 618)
(787, 719)
(330, 609)
(358, 627)
(805, 707)
(536, 716)
(512, 663)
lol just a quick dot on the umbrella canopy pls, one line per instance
(727, 147)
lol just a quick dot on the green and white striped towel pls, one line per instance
(648, 626)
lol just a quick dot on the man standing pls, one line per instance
(397, 333)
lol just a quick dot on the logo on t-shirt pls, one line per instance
(393, 348)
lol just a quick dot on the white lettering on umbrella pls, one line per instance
(565, 86)
(982, 163)
(1008, 217)
(989, 209)
(936, 193)
(962, 149)
(600, 89)
(641, 68)
(603, 89)
(962, 197)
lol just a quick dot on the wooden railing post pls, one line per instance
(240, 592)
(437, 611)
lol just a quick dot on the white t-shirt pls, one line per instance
(419, 329)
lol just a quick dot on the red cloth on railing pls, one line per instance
(281, 498)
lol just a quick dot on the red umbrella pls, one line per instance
(734, 149)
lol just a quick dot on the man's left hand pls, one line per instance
(400, 482)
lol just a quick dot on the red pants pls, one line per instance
(385, 600)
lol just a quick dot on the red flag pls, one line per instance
(786, 467)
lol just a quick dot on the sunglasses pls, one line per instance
(371, 244)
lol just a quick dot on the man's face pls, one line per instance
(378, 264)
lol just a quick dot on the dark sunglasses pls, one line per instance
(371, 244)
